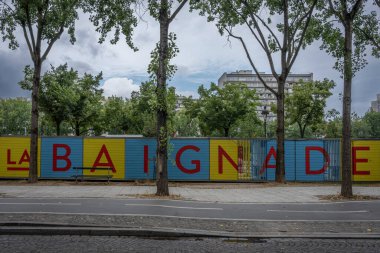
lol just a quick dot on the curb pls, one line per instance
(167, 232)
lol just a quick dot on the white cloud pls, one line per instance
(120, 87)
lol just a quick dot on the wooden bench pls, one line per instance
(108, 176)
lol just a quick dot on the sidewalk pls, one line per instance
(231, 193)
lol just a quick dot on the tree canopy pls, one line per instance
(218, 109)
(306, 104)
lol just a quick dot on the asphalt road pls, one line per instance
(15, 244)
(352, 211)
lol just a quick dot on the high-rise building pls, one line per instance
(265, 96)
(375, 105)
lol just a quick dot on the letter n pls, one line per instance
(222, 153)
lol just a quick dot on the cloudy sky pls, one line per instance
(204, 56)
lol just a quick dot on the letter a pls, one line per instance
(272, 152)
(109, 162)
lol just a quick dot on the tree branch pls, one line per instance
(268, 28)
(7, 5)
(302, 36)
(374, 42)
(263, 40)
(56, 37)
(31, 33)
(356, 8)
(177, 11)
(286, 42)
(336, 13)
(301, 20)
(251, 62)
(27, 40)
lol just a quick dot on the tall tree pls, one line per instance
(348, 46)
(305, 106)
(56, 92)
(42, 23)
(120, 15)
(161, 69)
(281, 35)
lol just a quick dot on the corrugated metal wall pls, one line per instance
(60, 155)
(140, 158)
(191, 159)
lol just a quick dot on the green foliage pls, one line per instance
(50, 18)
(56, 92)
(373, 121)
(359, 127)
(248, 127)
(173, 50)
(87, 103)
(185, 126)
(113, 15)
(15, 116)
(365, 33)
(218, 109)
(64, 96)
(305, 106)
(333, 124)
(116, 115)
(143, 106)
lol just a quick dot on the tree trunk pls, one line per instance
(302, 131)
(33, 170)
(280, 161)
(226, 132)
(58, 127)
(77, 128)
(162, 113)
(346, 189)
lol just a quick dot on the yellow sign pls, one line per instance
(366, 160)
(15, 157)
(224, 164)
(104, 153)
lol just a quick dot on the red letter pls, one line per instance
(109, 162)
(9, 157)
(355, 160)
(61, 157)
(25, 157)
(325, 155)
(272, 152)
(197, 163)
(146, 159)
(222, 153)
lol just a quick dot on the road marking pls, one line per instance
(316, 211)
(187, 217)
(43, 204)
(179, 207)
